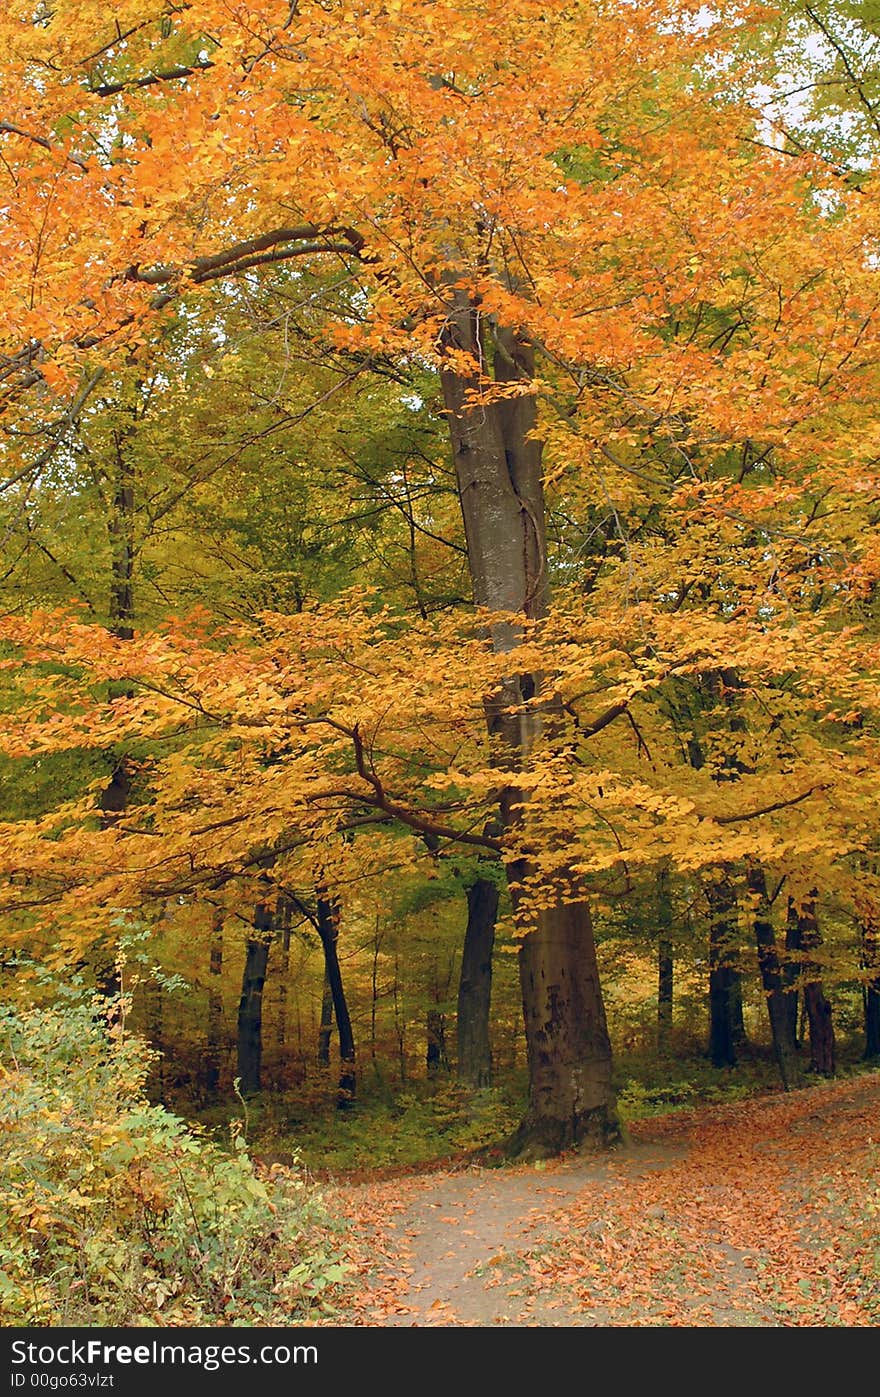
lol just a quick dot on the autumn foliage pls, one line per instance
(440, 454)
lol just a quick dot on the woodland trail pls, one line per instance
(760, 1213)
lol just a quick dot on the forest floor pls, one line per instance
(759, 1213)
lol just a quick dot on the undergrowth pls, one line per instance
(114, 1211)
(652, 1084)
(418, 1124)
(425, 1122)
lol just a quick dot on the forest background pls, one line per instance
(439, 628)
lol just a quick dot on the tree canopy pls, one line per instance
(436, 432)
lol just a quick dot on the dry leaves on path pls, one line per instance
(759, 1213)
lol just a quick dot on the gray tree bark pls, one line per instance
(499, 474)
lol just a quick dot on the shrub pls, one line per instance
(113, 1211)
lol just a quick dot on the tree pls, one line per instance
(474, 1056)
(701, 346)
(778, 981)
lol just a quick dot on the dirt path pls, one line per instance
(762, 1213)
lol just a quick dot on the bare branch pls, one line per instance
(380, 799)
(58, 433)
(10, 129)
(109, 89)
(764, 809)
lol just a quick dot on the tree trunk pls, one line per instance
(284, 913)
(328, 930)
(499, 475)
(806, 939)
(722, 976)
(822, 1045)
(435, 1054)
(779, 997)
(114, 798)
(122, 541)
(215, 1007)
(871, 989)
(665, 963)
(791, 969)
(738, 1027)
(325, 1028)
(250, 1007)
(571, 1097)
(474, 1064)
(665, 986)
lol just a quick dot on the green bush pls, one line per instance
(115, 1212)
(392, 1127)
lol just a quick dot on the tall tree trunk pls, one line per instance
(727, 1034)
(113, 800)
(122, 540)
(791, 976)
(567, 1044)
(665, 963)
(435, 1032)
(325, 1027)
(328, 930)
(807, 940)
(870, 950)
(870, 957)
(738, 1027)
(499, 475)
(665, 987)
(215, 1006)
(779, 998)
(284, 914)
(250, 1007)
(436, 1054)
(722, 975)
(474, 1064)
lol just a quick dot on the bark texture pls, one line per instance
(474, 1061)
(250, 1005)
(571, 1097)
(725, 1002)
(806, 941)
(436, 1057)
(325, 1027)
(497, 460)
(778, 993)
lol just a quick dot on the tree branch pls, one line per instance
(764, 809)
(12, 130)
(109, 89)
(59, 432)
(380, 799)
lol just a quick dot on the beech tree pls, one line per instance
(626, 295)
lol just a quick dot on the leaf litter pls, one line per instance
(757, 1213)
